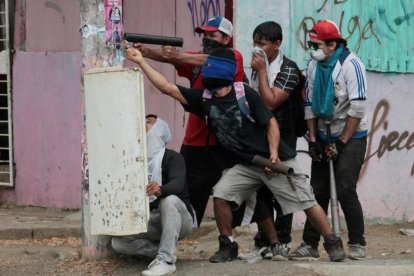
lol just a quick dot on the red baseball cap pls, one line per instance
(325, 30)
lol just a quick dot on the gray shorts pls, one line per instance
(240, 182)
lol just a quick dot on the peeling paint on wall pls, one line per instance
(97, 52)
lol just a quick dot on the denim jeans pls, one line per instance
(167, 224)
(347, 168)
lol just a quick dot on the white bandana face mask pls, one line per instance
(272, 69)
(318, 55)
(157, 138)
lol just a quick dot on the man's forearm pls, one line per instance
(193, 59)
(350, 127)
(273, 136)
(265, 91)
(177, 58)
(155, 54)
(161, 82)
(155, 77)
(311, 124)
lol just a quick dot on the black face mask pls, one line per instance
(209, 45)
(214, 84)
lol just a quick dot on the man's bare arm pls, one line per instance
(169, 54)
(311, 124)
(273, 97)
(350, 127)
(156, 78)
(273, 138)
(175, 57)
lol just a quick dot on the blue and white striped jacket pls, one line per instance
(350, 87)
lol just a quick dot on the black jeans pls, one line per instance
(347, 168)
(203, 173)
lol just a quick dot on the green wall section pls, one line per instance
(381, 32)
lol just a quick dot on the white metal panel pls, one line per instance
(116, 141)
(4, 62)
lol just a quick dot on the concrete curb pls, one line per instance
(37, 223)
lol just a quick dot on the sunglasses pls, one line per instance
(315, 46)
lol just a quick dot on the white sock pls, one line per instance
(231, 238)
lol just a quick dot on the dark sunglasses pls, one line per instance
(313, 45)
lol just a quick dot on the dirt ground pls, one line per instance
(62, 256)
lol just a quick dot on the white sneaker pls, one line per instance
(279, 252)
(254, 256)
(159, 267)
(356, 252)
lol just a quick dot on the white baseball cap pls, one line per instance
(218, 23)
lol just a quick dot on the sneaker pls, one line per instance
(335, 250)
(228, 251)
(279, 252)
(254, 256)
(159, 267)
(356, 252)
(304, 252)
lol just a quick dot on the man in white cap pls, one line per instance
(335, 110)
(199, 147)
(171, 216)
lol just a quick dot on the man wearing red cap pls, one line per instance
(199, 147)
(335, 110)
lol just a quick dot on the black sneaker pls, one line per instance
(335, 250)
(228, 250)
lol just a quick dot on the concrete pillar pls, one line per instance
(95, 53)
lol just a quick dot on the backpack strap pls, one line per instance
(242, 101)
(206, 102)
(196, 73)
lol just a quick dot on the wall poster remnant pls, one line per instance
(114, 27)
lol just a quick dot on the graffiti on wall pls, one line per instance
(202, 10)
(379, 25)
(357, 29)
(391, 140)
(56, 7)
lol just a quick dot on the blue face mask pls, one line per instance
(218, 72)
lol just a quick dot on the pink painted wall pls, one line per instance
(47, 129)
(52, 26)
(47, 99)
(46, 105)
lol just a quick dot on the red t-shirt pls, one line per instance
(196, 131)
